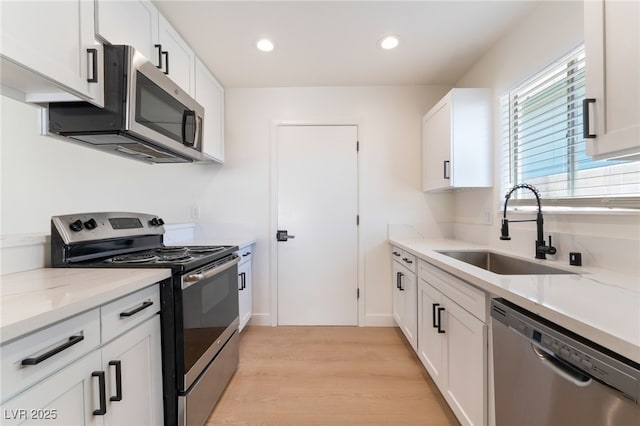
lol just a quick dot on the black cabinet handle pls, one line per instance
(159, 47)
(433, 311)
(243, 281)
(407, 260)
(134, 311)
(444, 170)
(37, 360)
(94, 65)
(398, 280)
(118, 365)
(246, 254)
(395, 253)
(166, 62)
(400, 275)
(585, 118)
(103, 399)
(440, 330)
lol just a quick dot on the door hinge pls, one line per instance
(358, 293)
(357, 220)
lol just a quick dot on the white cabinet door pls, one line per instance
(133, 22)
(244, 290)
(436, 148)
(210, 94)
(398, 298)
(430, 343)
(68, 397)
(133, 361)
(178, 58)
(405, 302)
(466, 383)
(456, 141)
(612, 49)
(49, 52)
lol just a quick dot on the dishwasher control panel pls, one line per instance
(558, 343)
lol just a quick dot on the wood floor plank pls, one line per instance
(329, 376)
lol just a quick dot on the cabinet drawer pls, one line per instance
(30, 359)
(129, 311)
(405, 258)
(467, 296)
(245, 253)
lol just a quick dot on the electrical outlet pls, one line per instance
(195, 212)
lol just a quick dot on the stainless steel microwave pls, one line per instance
(146, 115)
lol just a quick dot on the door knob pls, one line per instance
(283, 235)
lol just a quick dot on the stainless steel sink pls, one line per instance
(503, 265)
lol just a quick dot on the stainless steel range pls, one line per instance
(199, 312)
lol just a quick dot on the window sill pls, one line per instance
(571, 211)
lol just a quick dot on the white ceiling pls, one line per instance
(334, 43)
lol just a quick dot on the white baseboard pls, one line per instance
(260, 320)
(379, 320)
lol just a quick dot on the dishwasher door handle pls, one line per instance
(571, 374)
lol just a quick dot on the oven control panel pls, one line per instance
(82, 227)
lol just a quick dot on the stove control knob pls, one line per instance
(91, 224)
(77, 226)
(154, 222)
(160, 221)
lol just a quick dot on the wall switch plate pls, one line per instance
(195, 212)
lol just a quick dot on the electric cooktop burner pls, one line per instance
(166, 255)
(134, 258)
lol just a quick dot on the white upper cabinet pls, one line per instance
(139, 24)
(49, 52)
(612, 49)
(210, 94)
(456, 141)
(178, 60)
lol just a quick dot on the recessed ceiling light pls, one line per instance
(265, 45)
(389, 42)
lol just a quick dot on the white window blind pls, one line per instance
(543, 144)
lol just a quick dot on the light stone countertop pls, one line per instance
(34, 299)
(599, 305)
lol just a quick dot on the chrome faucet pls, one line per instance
(541, 248)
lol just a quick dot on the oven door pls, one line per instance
(206, 317)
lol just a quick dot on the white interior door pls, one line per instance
(317, 184)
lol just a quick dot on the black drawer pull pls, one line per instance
(134, 311)
(94, 65)
(440, 330)
(445, 163)
(435, 318)
(37, 360)
(166, 62)
(395, 253)
(407, 260)
(586, 133)
(103, 399)
(247, 253)
(118, 365)
(159, 47)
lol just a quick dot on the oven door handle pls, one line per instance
(192, 279)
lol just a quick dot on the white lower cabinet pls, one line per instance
(452, 343)
(244, 285)
(116, 383)
(405, 293)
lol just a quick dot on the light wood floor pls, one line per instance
(329, 376)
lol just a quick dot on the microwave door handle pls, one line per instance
(185, 117)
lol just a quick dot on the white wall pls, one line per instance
(390, 158)
(43, 176)
(610, 241)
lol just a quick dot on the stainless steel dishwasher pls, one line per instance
(546, 375)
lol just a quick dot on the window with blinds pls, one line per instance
(544, 147)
